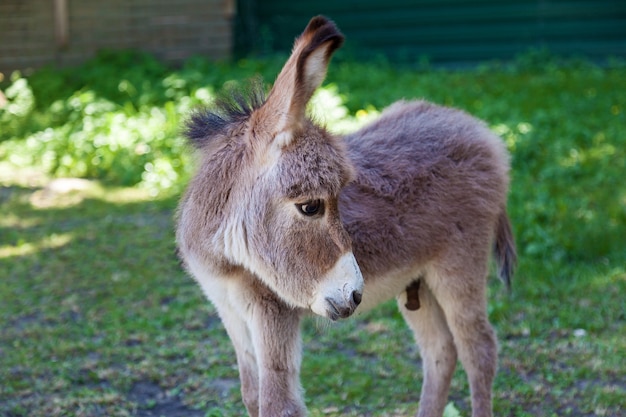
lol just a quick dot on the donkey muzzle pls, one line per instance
(341, 291)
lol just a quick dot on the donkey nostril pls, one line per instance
(356, 297)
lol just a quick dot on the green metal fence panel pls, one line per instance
(444, 30)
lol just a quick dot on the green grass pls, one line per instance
(98, 319)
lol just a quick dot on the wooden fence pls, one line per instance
(65, 32)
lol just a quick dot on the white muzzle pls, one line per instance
(340, 291)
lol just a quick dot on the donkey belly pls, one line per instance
(379, 289)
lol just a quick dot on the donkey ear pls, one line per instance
(302, 74)
(320, 38)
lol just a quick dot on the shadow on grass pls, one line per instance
(97, 316)
(98, 319)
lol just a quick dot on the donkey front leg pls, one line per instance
(437, 350)
(246, 362)
(266, 336)
(230, 299)
(275, 331)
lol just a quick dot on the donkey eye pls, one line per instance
(312, 207)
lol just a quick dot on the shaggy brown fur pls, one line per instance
(280, 213)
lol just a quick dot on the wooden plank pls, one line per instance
(61, 23)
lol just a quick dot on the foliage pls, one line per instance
(94, 305)
(118, 118)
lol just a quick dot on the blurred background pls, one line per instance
(66, 32)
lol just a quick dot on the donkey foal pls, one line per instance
(283, 218)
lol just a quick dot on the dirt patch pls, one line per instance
(152, 401)
(222, 387)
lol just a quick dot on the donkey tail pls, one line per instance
(504, 249)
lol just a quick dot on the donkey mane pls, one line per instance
(233, 105)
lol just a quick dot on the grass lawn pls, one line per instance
(98, 319)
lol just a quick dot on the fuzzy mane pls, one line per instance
(232, 105)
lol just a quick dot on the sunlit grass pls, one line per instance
(53, 241)
(93, 301)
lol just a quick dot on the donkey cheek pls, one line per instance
(323, 254)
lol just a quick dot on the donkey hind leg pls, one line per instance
(437, 350)
(461, 293)
(226, 300)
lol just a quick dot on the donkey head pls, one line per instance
(267, 189)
